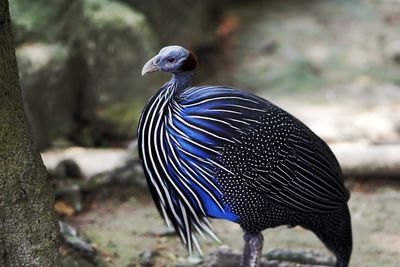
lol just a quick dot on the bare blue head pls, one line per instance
(174, 59)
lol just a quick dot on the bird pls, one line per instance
(225, 153)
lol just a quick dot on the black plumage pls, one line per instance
(276, 164)
(219, 152)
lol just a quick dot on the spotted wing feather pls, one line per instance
(274, 153)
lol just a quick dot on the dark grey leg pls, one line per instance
(253, 244)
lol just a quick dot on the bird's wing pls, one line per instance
(271, 150)
(302, 174)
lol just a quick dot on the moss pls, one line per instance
(31, 19)
(125, 115)
(104, 12)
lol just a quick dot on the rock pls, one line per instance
(222, 257)
(105, 172)
(67, 168)
(302, 256)
(194, 260)
(80, 65)
(71, 237)
(147, 257)
(226, 257)
(115, 41)
(50, 111)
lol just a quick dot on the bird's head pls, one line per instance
(174, 59)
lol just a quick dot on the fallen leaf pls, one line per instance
(63, 208)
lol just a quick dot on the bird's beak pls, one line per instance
(151, 66)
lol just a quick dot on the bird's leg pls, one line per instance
(253, 244)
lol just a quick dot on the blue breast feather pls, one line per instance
(200, 123)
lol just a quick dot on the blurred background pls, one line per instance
(333, 64)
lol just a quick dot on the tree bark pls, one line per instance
(28, 225)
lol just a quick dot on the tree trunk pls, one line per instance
(28, 225)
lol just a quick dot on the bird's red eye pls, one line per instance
(170, 59)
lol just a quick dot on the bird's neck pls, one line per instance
(182, 80)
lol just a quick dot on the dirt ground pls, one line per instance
(119, 230)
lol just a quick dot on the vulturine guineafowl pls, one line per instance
(219, 152)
